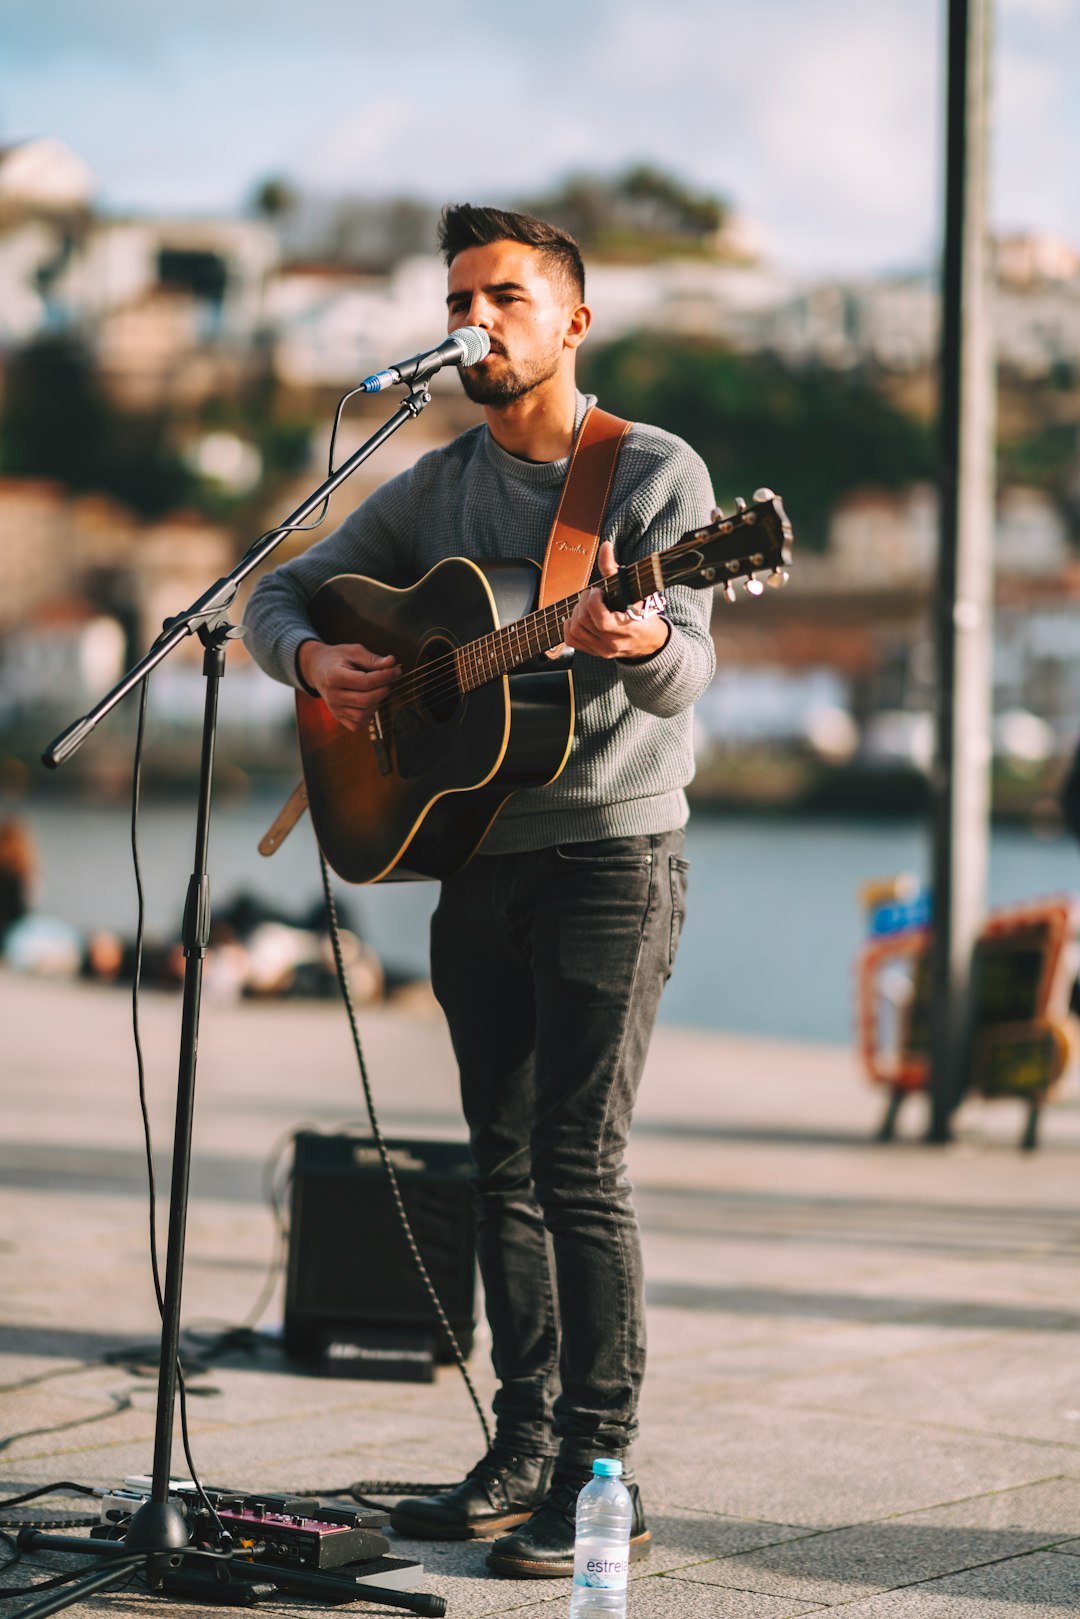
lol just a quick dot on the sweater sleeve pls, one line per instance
(374, 539)
(670, 500)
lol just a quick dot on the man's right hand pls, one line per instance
(351, 681)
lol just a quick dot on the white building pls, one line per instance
(880, 539)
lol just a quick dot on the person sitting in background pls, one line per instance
(29, 941)
(18, 867)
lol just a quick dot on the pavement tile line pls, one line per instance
(789, 1549)
(882, 1419)
(922, 1582)
(1019, 1589)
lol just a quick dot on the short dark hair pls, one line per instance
(462, 225)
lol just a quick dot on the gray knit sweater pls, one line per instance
(632, 754)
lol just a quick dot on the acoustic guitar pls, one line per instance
(478, 711)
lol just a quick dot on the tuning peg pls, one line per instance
(740, 504)
(717, 514)
(754, 587)
(761, 495)
(728, 591)
(778, 578)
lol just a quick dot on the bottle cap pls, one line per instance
(606, 1467)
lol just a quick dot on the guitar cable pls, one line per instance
(384, 1486)
(387, 1487)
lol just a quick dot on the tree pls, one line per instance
(641, 211)
(57, 422)
(813, 435)
(274, 198)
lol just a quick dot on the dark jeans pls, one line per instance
(549, 967)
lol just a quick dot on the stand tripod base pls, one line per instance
(156, 1527)
(380, 1580)
(240, 1583)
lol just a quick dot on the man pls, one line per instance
(551, 947)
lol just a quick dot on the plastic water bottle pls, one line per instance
(602, 1544)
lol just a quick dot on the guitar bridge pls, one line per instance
(377, 738)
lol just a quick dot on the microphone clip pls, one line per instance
(416, 399)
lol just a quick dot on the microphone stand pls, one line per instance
(157, 1536)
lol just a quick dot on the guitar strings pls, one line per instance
(445, 670)
(448, 668)
(419, 680)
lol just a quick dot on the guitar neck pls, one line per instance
(503, 650)
(752, 539)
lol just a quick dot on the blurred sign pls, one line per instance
(1023, 972)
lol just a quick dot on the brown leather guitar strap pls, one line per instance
(575, 534)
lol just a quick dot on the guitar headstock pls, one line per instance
(755, 538)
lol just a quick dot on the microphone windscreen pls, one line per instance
(474, 342)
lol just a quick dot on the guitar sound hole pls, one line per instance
(423, 736)
(437, 693)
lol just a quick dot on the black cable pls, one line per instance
(275, 1200)
(135, 1559)
(277, 1261)
(384, 1155)
(121, 1402)
(379, 1486)
(68, 1522)
(45, 1489)
(70, 1574)
(136, 984)
(303, 528)
(140, 929)
(243, 1335)
(46, 1377)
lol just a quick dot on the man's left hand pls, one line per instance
(593, 628)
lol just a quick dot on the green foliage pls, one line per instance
(286, 444)
(1045, 459)
(274, 197)
(812, 435)
(58, 423)
(642, 211)
(56, 420)
(1039, 436)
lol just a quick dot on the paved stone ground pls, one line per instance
(864, 1386)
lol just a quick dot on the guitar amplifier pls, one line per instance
(350, 1271)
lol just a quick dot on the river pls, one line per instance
(770, 940)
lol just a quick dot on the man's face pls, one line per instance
(528, 311)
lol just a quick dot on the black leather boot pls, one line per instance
(500, 1491)
(543, 1548)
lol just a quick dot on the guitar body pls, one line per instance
(418, 799)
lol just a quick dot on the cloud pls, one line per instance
(822, 121)
(1040, 11)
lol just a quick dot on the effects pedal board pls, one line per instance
(300, 1533)
(295, 1532)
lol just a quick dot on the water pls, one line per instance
(771, 934)
(601, 1547)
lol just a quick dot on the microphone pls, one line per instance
(467, 346)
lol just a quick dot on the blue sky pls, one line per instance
(819, 118)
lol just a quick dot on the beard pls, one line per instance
(511, 384)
